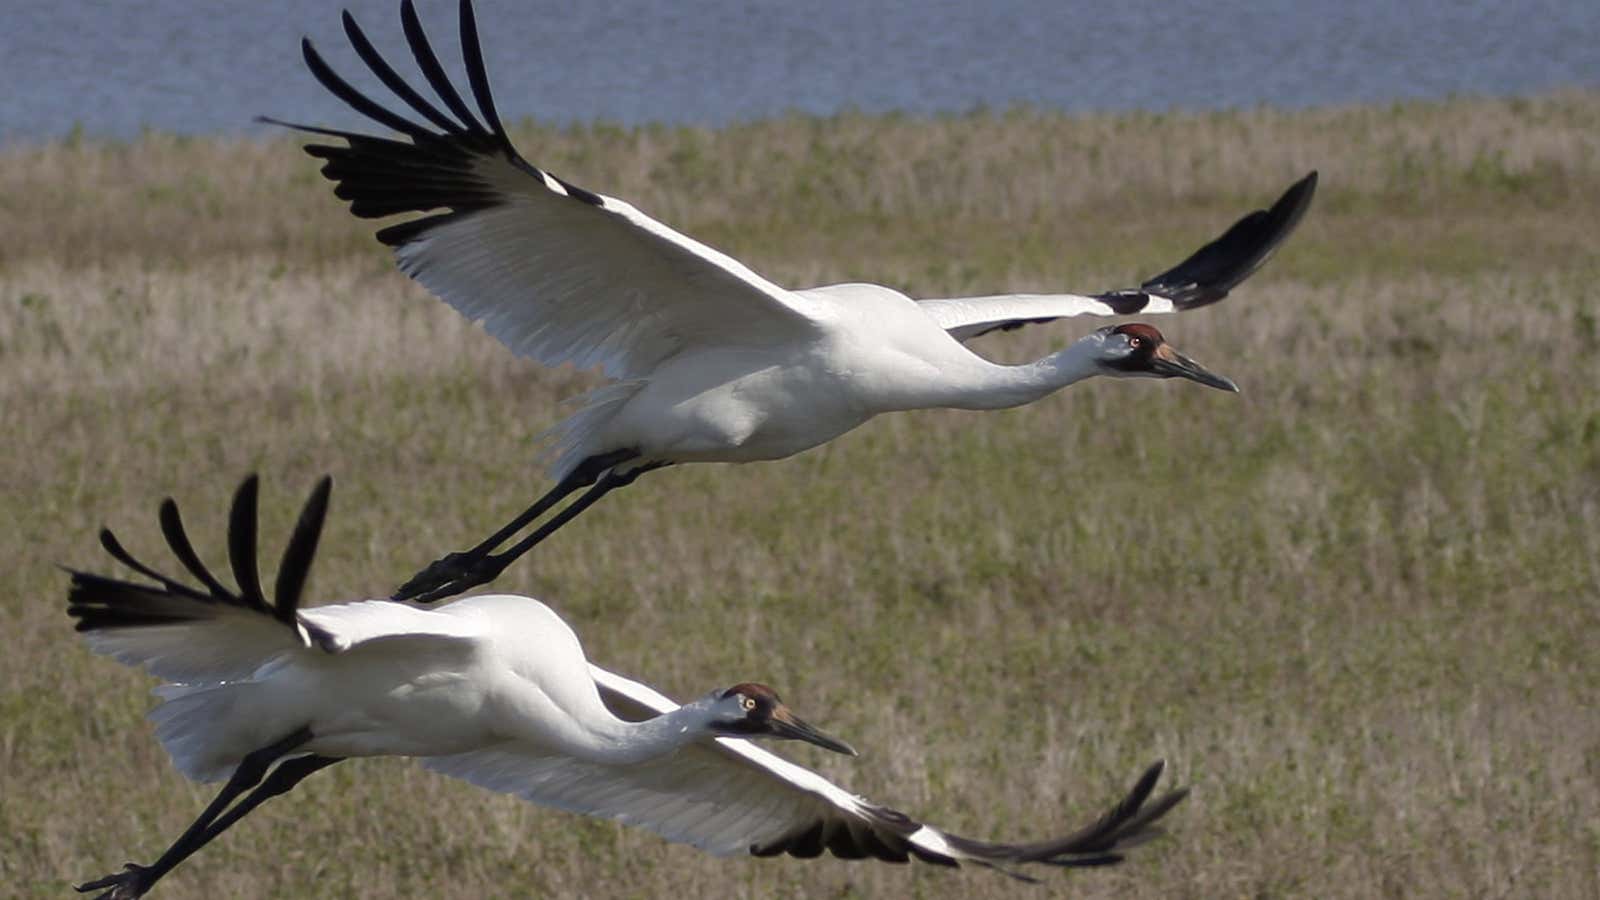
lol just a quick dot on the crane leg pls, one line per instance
(456, 572)
(134, 880)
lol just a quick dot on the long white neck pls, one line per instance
(1001, 387)
(614, 741)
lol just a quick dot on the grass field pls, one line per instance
(1355, 606)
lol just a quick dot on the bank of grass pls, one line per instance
(1355, 607)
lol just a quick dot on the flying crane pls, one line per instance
(709, 361)
(494, 690)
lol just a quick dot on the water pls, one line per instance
(113, 68)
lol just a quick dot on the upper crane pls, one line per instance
(710, 361)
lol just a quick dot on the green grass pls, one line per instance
(1355, 607)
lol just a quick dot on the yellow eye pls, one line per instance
(747, 703)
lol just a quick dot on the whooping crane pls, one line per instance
(492, 689)
(710, 362)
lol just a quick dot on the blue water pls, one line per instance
(113, 68)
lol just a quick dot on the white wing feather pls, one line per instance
(221, 643)
(968, 317)
(692, 796)
(556, 273)
(626, 695)
(213, 642)
(725, 798)
(339, 627)
(561, 280)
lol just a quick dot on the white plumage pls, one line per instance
(494, 690)
(713, 362)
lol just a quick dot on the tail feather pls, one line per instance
(569, 442)
(207, 728)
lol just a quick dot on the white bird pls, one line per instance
(710, 362)
(494, 690)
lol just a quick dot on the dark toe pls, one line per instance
(125, 885)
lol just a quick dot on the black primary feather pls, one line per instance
(425, 170)
(99, 601)
(1213, 270)
(1208, 274)
(885, 836)
(242, 544)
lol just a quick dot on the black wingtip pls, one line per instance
(178, 540)
(1116, 821)
(297, 557)
(1147, 781)
(428, 62)
(120, 554)
(478, 78)
(248, 490)
(1156, 809)
(242, 542)
(353, 98)
(1138, 814)
(1292, 206)
(109, 543)
(392, 80)
(102, 602)
(1216, 268)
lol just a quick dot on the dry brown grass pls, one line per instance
(1354, 607)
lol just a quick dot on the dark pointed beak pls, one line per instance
(1169, 363)
(785, 725)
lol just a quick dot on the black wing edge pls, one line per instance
(99, 601)
(429, 170)
(885, 833)
(1212, 271)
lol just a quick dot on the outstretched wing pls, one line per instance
(215, 633)
(733, 797)
(555, 272)
(212, 633)
(1204, 278)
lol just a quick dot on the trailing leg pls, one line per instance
(457, 572)
(135, 879)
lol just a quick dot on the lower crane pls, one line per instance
(495, 690)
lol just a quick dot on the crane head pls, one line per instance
(1137, 350)
(751, 710)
